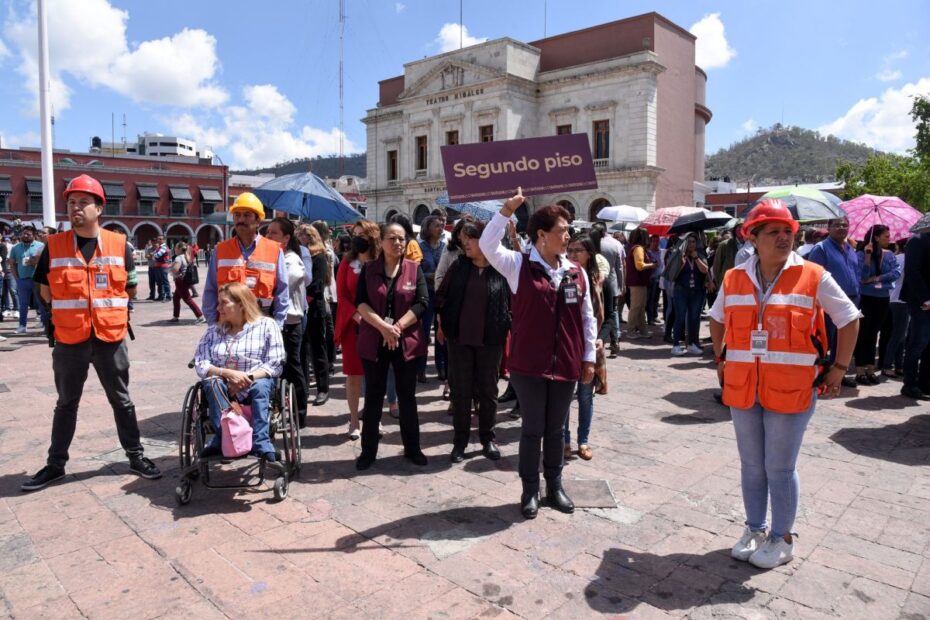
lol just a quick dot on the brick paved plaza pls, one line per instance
(448, 541)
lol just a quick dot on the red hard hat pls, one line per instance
(88, 185)
(769, 210)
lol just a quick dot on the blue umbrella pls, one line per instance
(306, 195)
(482, 211)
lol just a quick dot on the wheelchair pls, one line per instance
(197, 430)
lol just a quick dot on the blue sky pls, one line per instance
(259, 81)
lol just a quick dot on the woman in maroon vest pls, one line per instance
(391, 297)
(552, 345)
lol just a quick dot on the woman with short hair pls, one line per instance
(313, 347)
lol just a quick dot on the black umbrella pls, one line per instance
(702, 220)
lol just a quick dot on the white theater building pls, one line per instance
(630, 85)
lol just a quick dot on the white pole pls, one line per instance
(45, 115)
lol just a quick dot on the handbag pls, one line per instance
(236, 430)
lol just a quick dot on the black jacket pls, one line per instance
(916, 287)
(452, 293)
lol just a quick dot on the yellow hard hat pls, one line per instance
(247, 201)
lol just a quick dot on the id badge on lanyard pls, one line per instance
(101, 281)
(759, 338)
(571, 293)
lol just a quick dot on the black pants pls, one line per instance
(473, 374)
(293, 335)
(405, 375)
(314, 341)
(874, 310)
(331, 337)
(70, 363)
(544, 404)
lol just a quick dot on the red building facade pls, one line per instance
(146, 197)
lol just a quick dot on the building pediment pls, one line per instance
(449, 77)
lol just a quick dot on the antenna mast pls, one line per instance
(342, 28)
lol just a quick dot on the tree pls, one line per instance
(887, 175)
(920, 113)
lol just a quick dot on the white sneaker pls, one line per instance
(380, 430)
(354, 433)
(20, 329)
(2, 338)
(748, 543)
(693, 349)
(678, 350)
(772, 553)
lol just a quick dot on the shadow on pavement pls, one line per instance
(877, 403)
(706, 409)
(625, 579)
(907, 443)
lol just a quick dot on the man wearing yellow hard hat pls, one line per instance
(249, 258)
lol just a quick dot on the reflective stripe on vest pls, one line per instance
(111, 302)
(230, 262)
(65, 262)
(261, 268)
(773, 357)
(257, 264)
(69, 304)
(740, 300)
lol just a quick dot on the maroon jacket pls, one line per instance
(634, 277)
(405, 293)
(548, 334)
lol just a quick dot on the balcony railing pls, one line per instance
(602, 163)
(420, 174)
(393, 183)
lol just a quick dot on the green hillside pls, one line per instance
(326, 167)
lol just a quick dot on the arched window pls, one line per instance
(389, 215)
(568, 206)
(420, 214)
(595, 207)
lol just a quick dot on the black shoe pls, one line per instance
(43, 478)
(718, 396)
(529, 504)
(321, 398)
(269, 456)
(911, 392)
(441, 374)
(849, 382)
(421, 377)
(417, 458)
(862, 380)
(301, 419)
(364, 461)
(556, 498)
(491, 451)
(509, 394)
(210, 451)
(872, 378)
(457, 455)
(144, 467)
(515, 412)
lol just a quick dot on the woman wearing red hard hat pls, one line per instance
(770, 343)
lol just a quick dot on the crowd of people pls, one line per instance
(542, 309)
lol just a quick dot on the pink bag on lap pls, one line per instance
(236, 431)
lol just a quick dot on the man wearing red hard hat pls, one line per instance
(87, 276)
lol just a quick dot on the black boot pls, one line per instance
(529, 501)
(508, 394)
(556, 498)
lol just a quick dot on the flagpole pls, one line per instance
(45, 115)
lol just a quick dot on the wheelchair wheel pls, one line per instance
(280, 488)
(290, 438)
(183, 492)
(190, 441)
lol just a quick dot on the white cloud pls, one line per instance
(450, 35)
(399, 7)
(881, 122)
(260, 132)
(749, 125)
(4, 51)
(888, 75)
(13, 141)
(712, 50)
(87, 43)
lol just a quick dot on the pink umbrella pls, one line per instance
(867, 210)
(659, 221)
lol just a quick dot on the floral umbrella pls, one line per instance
(867, 210)
(660, 220)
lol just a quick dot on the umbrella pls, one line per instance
(922, 225)
(867, 210)
(807, 204)
(702, 220)
(623, 226)
(622, 213)
(660, 220)
(482, 210)
(306, 195)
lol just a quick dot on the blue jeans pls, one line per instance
(918, 339)
(259, 392)
(768, 446)
(585, 395)
(26, 291)
(688, 303)
(8, 299)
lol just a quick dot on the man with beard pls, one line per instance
(87, 276)
(251, 259)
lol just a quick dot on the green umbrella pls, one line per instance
(808, 204)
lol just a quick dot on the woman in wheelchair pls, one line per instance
(238, 358)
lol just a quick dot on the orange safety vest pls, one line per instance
(783, 378)
(259, 273)
(88, 296)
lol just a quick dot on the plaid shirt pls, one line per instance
(258, 346)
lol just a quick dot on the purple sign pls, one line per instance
(488, 170)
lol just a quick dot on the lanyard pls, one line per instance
(767, 294)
